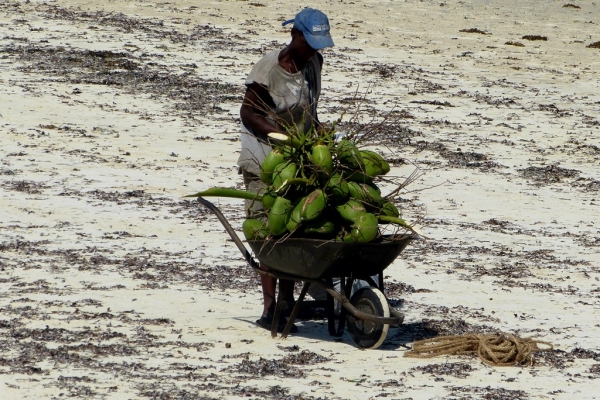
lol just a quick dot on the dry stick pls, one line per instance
(370, 126)
(415, 174)
(373, 128)
(501, 350)
(358, 104)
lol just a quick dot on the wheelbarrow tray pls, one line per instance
(316, 259)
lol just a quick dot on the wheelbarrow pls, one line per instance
(320, 262)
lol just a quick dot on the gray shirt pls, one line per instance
(295, 96)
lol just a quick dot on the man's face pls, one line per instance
(303, 46)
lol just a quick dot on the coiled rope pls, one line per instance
(493, 349)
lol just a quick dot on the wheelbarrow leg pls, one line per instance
(295, 310)
(345, 287)
(344, 312)
(275, 323)
(280, 305)
(331, 311)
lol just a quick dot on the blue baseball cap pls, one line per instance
(315, 27)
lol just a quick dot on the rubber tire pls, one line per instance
(366, 334)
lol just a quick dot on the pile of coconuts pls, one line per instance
(318, 187)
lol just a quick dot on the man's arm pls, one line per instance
(253, 111)
(319, 127)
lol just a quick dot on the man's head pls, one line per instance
(315, 27)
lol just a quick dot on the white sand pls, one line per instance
(97, 245)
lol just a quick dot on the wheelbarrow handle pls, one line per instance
(236, 239)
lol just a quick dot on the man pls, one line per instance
(282, 91)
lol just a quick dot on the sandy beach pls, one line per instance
(115, 286)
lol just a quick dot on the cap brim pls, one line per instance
(318, 42)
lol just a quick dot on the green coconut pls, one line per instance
(268, 198)
(314, 205)
(349, 155)
(279, 216)
(351, 210)
(337, 188)
(272, 160)
(374, 163)
(295, 216)
(388, 208)
(283, 172)
(367, 194)
(322, 159)
(321, 227)
(254, 229)
(365, 228)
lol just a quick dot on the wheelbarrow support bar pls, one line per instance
(341, 297)
(236, 239)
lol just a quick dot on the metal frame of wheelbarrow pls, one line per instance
(323, 280)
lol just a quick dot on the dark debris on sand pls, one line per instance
(549, 174)
(453, 369)
(191, 95)
(285, 367)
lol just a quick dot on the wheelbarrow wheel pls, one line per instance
(367, 334)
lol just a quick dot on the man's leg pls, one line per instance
(286, 288)
(268, 284)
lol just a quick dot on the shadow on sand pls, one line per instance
(398, 338)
